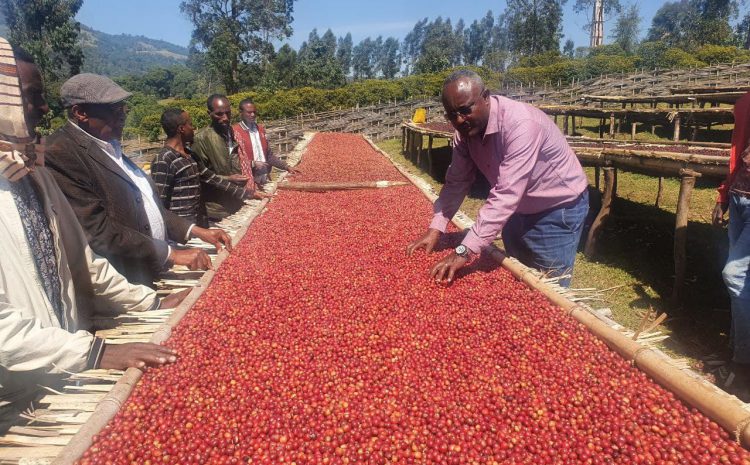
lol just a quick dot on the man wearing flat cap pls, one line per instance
(115, 201)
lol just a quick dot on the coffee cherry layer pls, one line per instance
(320, 342)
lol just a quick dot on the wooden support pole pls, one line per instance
(653, 127)
(565, 125)
(573, 119)
(633, 129)
(676, 135)
(407, 155)
(597, 176)
(403, 139)
(687, 182)
(659, 192)
(612, 126)
(430, 163)
(601, 217)
(419, 150)
(414, 139)
(601, 128)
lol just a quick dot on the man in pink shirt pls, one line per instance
(538, 199)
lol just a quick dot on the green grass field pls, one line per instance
(634, 262)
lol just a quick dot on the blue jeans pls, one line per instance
(735, 276)
(548, 241)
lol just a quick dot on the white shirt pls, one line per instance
(258, 154)
(113, 149)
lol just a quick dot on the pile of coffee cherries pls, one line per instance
(321, 342)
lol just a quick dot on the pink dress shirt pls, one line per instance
(529, 164)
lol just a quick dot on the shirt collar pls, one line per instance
(113, 147)
(251, 127)
(493, 123)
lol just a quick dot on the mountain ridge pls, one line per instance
(124, 54)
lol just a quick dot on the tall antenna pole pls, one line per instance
(597, 24)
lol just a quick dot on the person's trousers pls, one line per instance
(735, 276)
(548, 241)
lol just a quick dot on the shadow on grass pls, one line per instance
(639, 238)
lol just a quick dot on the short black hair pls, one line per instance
(20, 54)
(246, 101)
(171, 119)
(464, 73)
(211, 98)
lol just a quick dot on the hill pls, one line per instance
(118, 55)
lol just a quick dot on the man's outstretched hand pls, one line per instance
(174, 299)
(218, 237)
(717, 216)
(426, 242)
(240, 179)
(445, 270)
(141, 355)
(194, 259)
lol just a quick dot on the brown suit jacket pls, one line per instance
(109, 206)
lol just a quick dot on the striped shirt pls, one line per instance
(178, 182)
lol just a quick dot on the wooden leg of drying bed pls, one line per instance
(659, 192)
(595, 231)
(430, 163)
(687, 182)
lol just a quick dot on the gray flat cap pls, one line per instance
(91, 88)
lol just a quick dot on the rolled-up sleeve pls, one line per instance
(458, 179)
(523, 143)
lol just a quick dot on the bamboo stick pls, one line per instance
(333, 186)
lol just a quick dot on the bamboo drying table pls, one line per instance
(686, 167)
(412, 142)
(674, 117)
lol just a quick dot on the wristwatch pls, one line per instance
(462, 251)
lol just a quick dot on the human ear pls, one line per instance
(79, 113)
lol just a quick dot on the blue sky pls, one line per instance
(161, 19)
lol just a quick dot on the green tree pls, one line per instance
(285, 66)
(439, 47)
(186, 83)
(48, 31)
(627, 28)
(496, 56)
(233, 33)
(411, 48)
(389, 60)
(478, 39)
(534, 26)
(316, 62)
(363, 59)
(742, 32)
(691, 23)
(569, 48)
(344, 52)
(712, 24)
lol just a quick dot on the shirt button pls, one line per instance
(137, 200)
(147, 227)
